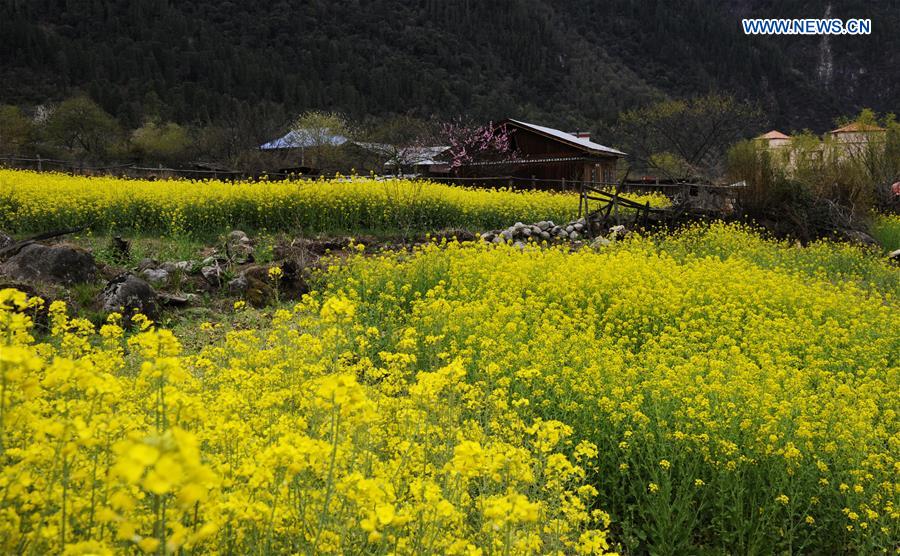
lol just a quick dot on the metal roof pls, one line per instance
(569, 138)
(301, 138)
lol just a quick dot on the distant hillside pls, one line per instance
(571, 63)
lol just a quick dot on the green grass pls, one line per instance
(886, 229)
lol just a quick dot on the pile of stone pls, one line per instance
(576, 232)
(545, 230)
(141, 290)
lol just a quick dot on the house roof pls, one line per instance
(857, 127)
(774, 134)
(425, 156)
(578, 142)
(301, 138)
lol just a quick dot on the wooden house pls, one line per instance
(546, 158)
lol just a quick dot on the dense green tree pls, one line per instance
(81, 127)
(318, 136)
(16, 130)
(167, 142)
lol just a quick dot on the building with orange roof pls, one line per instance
(856, 136)
(774, 139)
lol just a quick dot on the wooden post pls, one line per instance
(581, 201)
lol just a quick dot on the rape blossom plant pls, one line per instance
(708, 391)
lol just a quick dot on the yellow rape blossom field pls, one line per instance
(37, 202)
(707, 392)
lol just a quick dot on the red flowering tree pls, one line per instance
(478, 144)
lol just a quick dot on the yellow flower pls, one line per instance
(338, 309)
(148, 544)
(385, 514)
(467, 459)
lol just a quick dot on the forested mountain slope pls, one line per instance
(565, 62)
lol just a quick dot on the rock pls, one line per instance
(171, 300)
(617, 232)
(578, 227)
(544, 225)
(185, 266)
(574, 235)
(858, 237)
(214, 260)
(213, 274)
(156, 276)
(182, 267)
(129, 295)
(451, 234)
(238, 285)
(894, 256)
(526, 232)
(545, 235)
(497, 239)
(259, 293)
(600, 242)
(255, 285)
(56, 264)
(519, 245)
(570, 228)
(5, 240)
(146, 263)
(238, 247)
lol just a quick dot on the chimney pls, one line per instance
(582, 134)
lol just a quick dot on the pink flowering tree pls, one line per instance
(477, 144)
